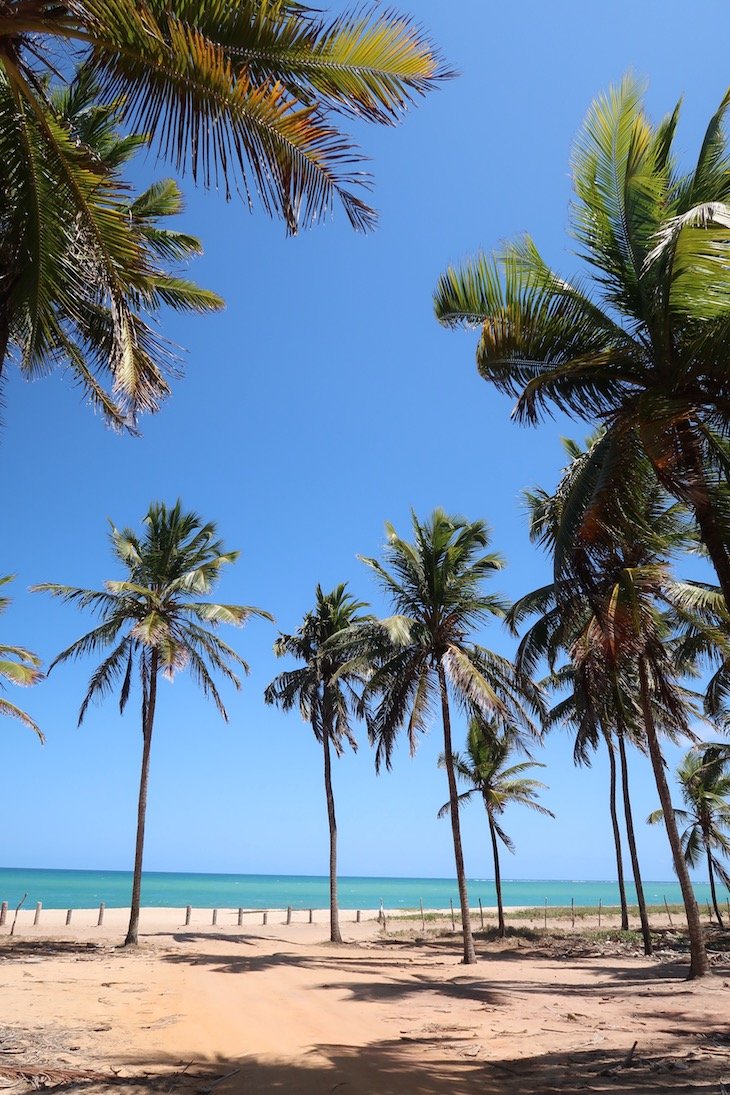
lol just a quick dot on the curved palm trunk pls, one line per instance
(147, 724)
(617, 834)
(335, 936)
(629, 816)
(713, 892)
(699, 964)
(697, 496)
(469, 952)
(497, 878)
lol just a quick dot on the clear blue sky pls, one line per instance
(324, 401)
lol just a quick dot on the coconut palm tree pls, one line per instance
(152, 623)
(324, 691)
(614, 606)
(435, 583)
(245, 95)
(638, 344)
(584, 711)
(18, 666)
(705, 784)
(484, 769)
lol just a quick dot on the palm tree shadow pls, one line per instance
(432, 1065)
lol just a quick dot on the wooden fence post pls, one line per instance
(3, 913)
(38, 907)
(100, 921)
(311, 916)
(572, 912)
(188, 914)
(453, 922)
(68, 917)
(288, 914)
(240, 917)
(357, 917)
(481, 913)
(215, 917)
(671, 925)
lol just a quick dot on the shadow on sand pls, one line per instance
(398, 1068)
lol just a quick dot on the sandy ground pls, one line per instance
(238, 1011)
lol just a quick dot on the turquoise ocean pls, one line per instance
(58, 889)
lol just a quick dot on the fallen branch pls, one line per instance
(626, 1063)
(209, 1087)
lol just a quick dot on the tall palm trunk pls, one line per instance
(697, 495)
(147, 725)
(469, 952)
(497, 877)
(711, 873)
(699, 963)
(629, 816)
(335, 936)
(617, 833)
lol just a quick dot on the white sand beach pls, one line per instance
(208, 1007)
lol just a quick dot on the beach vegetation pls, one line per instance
(484, 768)
(153, 623)
(435, 583)
(327, 691)
(612, 608)
(704, 780)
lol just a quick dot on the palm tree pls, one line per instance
(613, 605)
(484, 769)
(324, 691)
(642, 348)
(18, 666)
(705, 785)
(584, 710)
(154, 623)
(61, 310)
(246, 95)
(435, 584)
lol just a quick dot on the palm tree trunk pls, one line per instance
(469, 952)
(629, 816)
(617, 835)
(714, 541)
(711, 873)
(697, 495)
(147, 724)
(4, 337)
(497, 878)
(699, 964)
(335, 936)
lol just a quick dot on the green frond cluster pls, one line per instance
(435, 583)
(639, 344)
(153, 620)
(325, 688)
(84, 264)
(18, 666)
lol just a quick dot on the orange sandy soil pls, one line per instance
(237, 1011)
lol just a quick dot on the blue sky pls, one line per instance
(322, 402)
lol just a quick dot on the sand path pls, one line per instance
(238, 1012)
